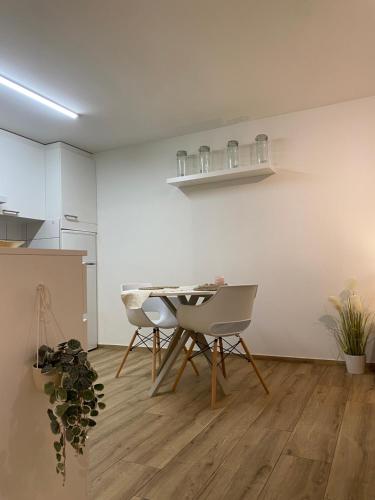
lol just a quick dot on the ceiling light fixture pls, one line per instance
(43, 100)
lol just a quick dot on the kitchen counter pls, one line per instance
(26, 442)
(40, 251)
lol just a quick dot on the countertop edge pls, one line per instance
(40, 251)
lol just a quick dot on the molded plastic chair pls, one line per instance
(139, 318)
(225, 314)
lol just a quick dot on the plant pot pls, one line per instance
(40, 379)
(355, 364)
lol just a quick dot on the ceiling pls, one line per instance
(140, 70)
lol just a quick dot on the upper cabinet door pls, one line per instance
(22, 177)
(78, 182)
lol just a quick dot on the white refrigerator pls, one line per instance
(84, 240)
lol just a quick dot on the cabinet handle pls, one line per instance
(13, 213)
(88, 263)
(70, 216)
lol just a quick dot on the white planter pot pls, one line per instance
(355, 364)
(40, 379)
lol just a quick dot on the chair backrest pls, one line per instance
(139, 316)
(228, 311)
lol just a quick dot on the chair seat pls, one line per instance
(167, 323)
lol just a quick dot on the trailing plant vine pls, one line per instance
(75, 398)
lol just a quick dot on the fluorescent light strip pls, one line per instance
(43, 100)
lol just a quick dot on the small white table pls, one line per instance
(181, 336)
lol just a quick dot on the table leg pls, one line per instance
(169, 362)
(206, 351)
(171, 346)
(178, 332)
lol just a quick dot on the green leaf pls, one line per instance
(52, 398)
(55, 427)
(92, 422)
(60, 466)
(86, 409)
(51, 414)
(61, 409)
(62, 394)
(57, 446)
(76, 430)
(100, 396)
(71, 420)
(98, 387)
(74, 344)
(58, 457)
(49, 388)
(69, 435)
(94, 413)
(101, 405)
(88, 395)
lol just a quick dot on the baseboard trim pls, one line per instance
(266, 357)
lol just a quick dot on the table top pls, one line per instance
(175, 292)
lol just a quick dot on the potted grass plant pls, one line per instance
(352, 328)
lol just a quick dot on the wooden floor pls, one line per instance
(312, 438)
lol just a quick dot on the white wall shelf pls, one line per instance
(220, 176)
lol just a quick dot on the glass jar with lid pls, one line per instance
(232, 154)
(261, 148)
(181, 163)
(204, 159)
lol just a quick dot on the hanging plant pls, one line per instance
(74, 397)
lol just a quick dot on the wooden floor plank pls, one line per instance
(287, 403)
(353, 470)
(247, 466)
(121, 482)
(315, 435)
(296, 478)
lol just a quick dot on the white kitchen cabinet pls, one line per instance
(22, 177)
(78, 182)
(71, 187)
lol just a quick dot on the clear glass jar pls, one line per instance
(261, 148)
(181, 163)
(204, 159)
(232, 154)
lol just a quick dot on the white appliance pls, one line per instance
(84, 240)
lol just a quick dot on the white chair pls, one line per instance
(141, 319)
(227, 313)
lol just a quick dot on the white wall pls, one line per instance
(298, 234)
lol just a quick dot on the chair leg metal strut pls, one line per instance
(217, 346)
(159, 339)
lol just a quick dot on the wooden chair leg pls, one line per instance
(222, 357)
(251, 359)
(153, 372)
(183, 366)
(127, 353)
(158, 346)
(213, 375)
(193, 365)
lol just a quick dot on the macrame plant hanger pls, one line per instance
(44, 310)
